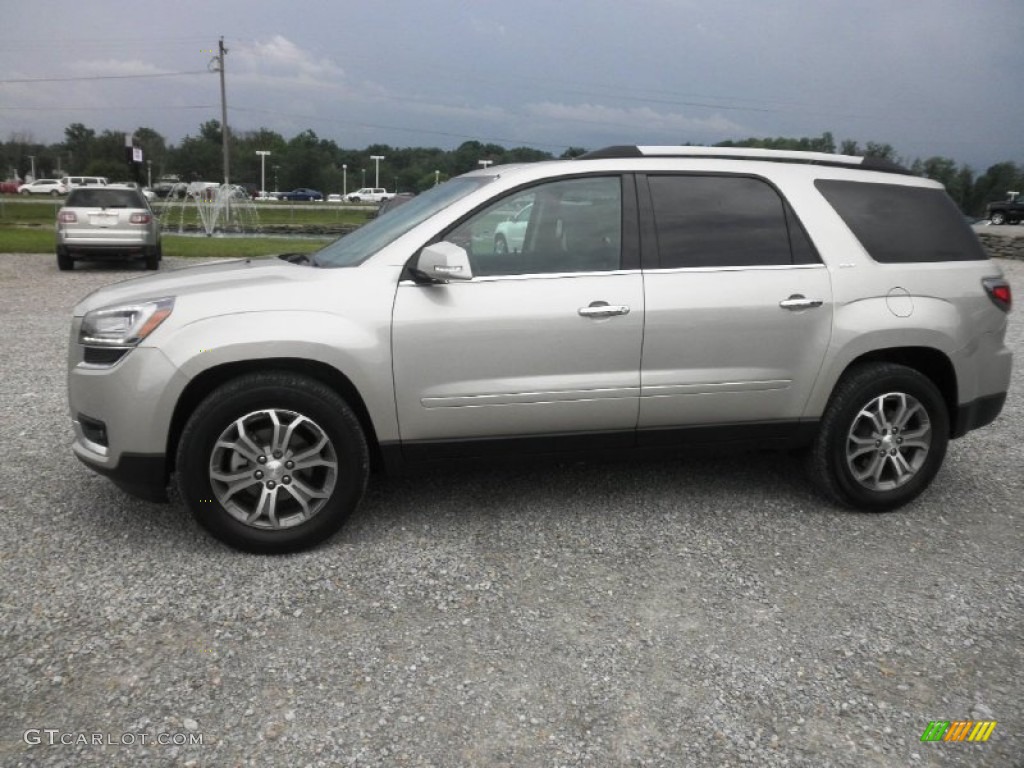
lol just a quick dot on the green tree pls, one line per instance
(154, 150)
(79, 144)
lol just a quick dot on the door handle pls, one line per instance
(603, 309)
(798, 301)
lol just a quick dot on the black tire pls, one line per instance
(64, 260)
(54, 193)
(152, 258)
(24, 192)
(500, 245)
(849, 444)
(249, 399)
(998, 218)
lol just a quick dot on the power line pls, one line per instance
(403, 129)
(162, 108)
(101, 77)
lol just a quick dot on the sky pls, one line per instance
(930, 77)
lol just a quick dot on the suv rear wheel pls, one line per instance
(998, 218)
(882, 439)
(64, 260)
(272, 462)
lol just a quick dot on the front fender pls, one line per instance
(361, 352)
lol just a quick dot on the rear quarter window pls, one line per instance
(95, 197)
(901, 224)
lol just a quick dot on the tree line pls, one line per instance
(307, 160)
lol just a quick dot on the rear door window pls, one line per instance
(900, 224)
(724, 221)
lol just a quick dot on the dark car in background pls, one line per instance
(1008, 211)
(302, 193)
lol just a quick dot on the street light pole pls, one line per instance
(485, 163)
(376, 168)
(32, 159)
(344, 179)
(263, 170)
(437, 176)
(149, 173)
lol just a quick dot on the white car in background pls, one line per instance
(51, 187)
(370, 195)
(509, 234)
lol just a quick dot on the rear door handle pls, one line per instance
(603, 309)
(798, 301)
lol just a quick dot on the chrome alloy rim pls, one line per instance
(273, 469)
(889, 441)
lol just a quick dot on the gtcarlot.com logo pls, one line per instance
(958, 730)
(53, 737)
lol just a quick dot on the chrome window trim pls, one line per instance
(562, 275)
(748, 268)
(533, 276)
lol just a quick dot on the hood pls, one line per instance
(213, 277)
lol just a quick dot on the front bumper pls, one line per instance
(144, 477)
(121, 415)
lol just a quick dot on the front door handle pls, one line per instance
(798, 301)
(603, 309)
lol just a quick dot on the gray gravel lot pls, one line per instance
(674, 613)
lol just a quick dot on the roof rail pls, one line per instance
(747, 153)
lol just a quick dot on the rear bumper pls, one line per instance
(978, 413)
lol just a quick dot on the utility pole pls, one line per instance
(217, 65)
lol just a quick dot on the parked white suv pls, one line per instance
(52, 187)
(369, 195)
(660, 298)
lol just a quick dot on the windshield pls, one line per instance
(355, 247)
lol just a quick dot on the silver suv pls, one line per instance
(107, 221)
(659, 298)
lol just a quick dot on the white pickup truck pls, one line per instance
(370, 195)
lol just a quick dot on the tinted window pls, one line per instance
(720, 221)
(573, 225)
(96, 197)
(896, 223)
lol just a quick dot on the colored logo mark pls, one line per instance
(958, 730)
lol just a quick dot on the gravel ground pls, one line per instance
(700, 612)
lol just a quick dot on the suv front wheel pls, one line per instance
(272, 462)
(882, 439)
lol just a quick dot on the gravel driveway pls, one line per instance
(708, 612)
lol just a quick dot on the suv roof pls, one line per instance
(747, 153)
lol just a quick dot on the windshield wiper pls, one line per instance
(296, 258)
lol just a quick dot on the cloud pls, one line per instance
(641, 120)
(283, 59)
(115, 67)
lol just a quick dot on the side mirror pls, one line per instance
(443, 262)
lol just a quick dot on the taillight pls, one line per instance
(140, 218)
(67, 217)
(999, 291)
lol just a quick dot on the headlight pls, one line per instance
(123, 326)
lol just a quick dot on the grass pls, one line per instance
(28, 227)
(43, 240)
(44, 212)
